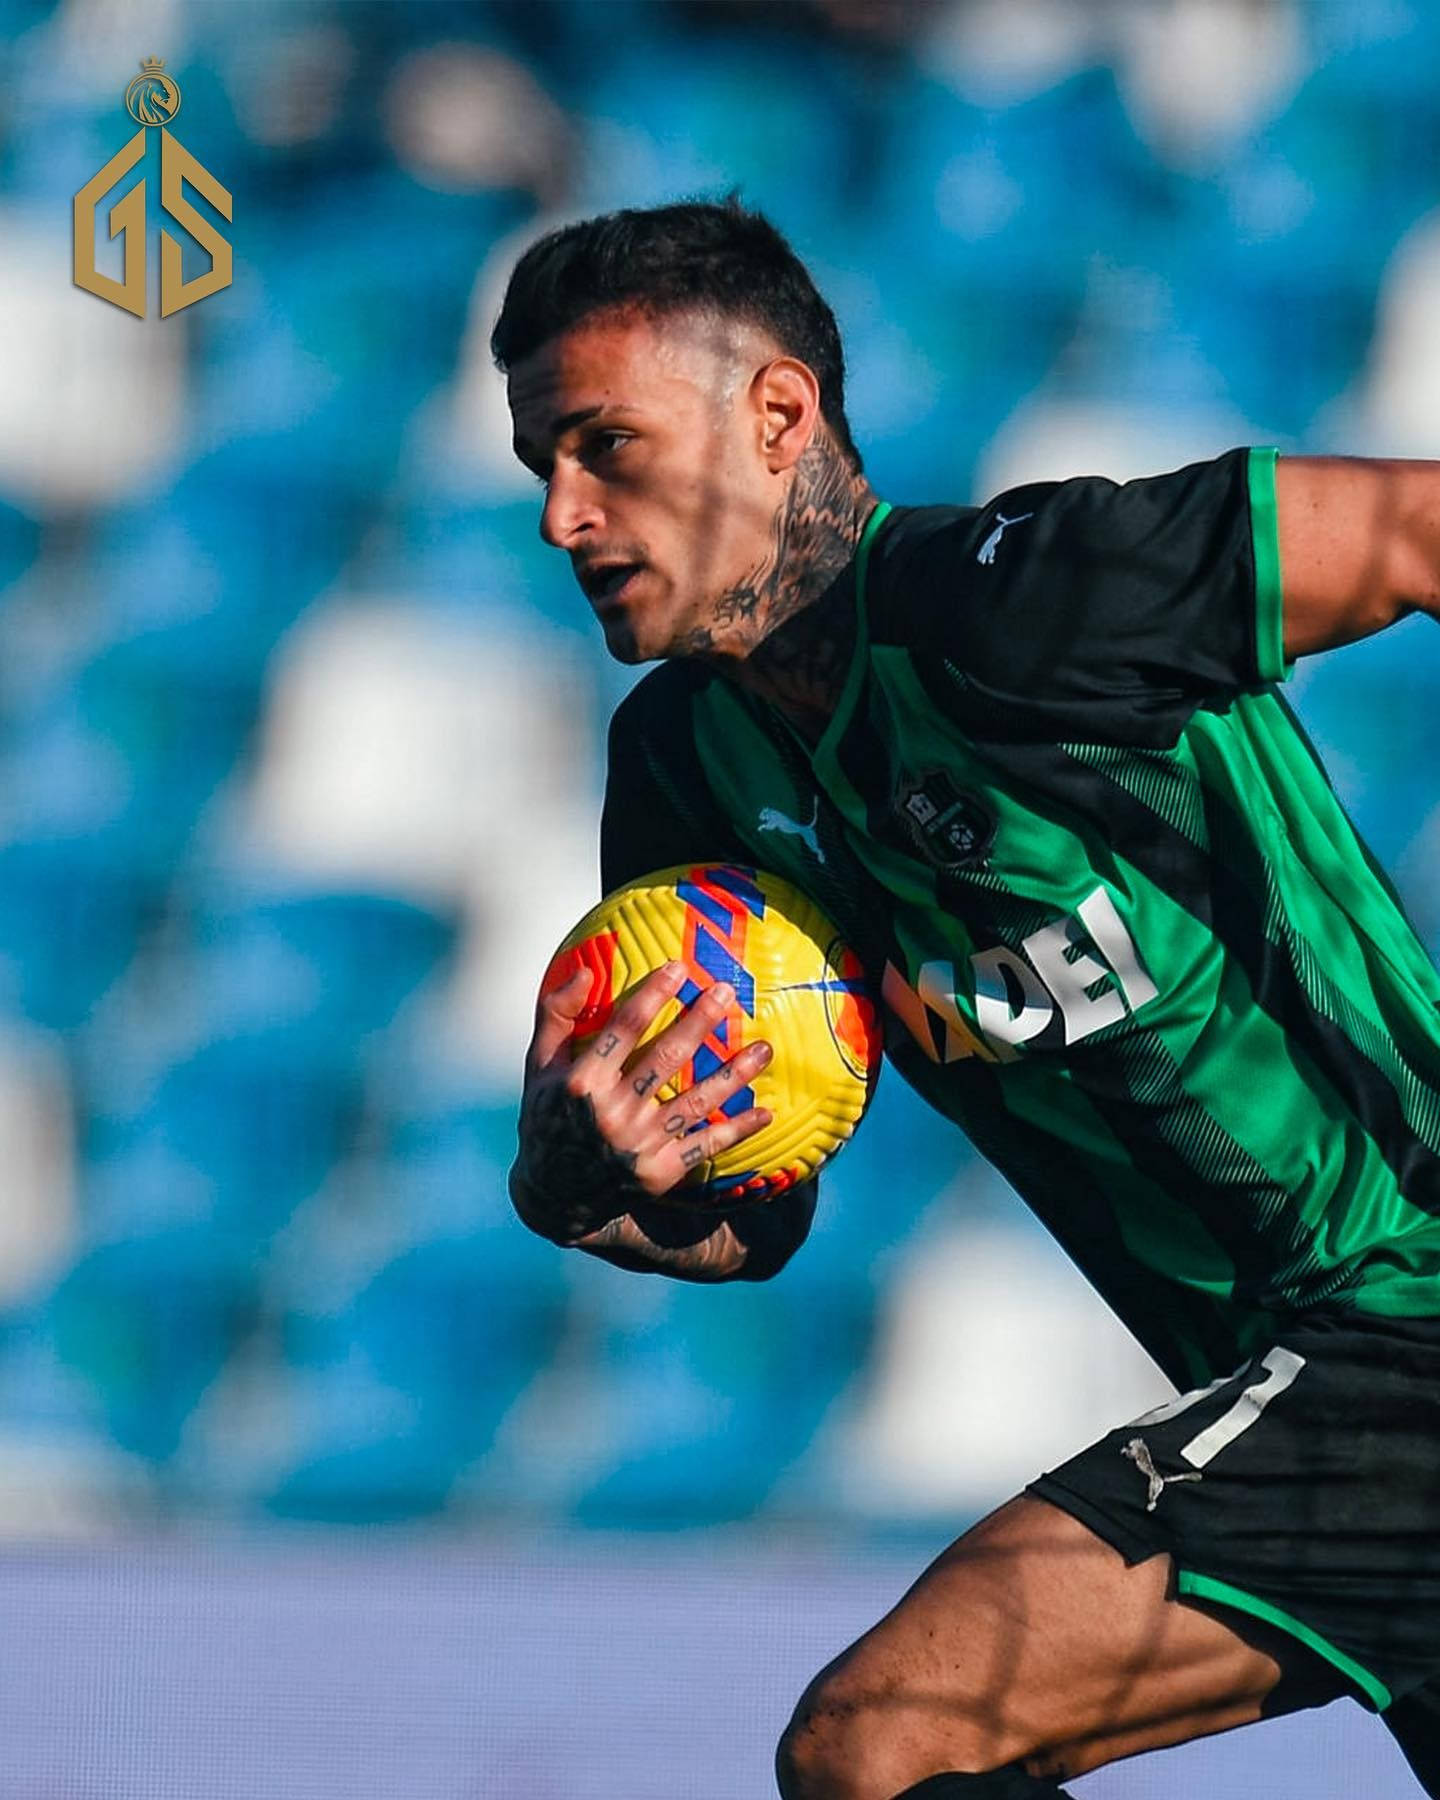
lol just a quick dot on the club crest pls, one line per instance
(951, 828)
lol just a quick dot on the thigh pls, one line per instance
(1303, 1490)
(1031, 1639)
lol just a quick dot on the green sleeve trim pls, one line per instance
(1265, 538)
(1205, 1587)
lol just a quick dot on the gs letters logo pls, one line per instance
(152, 100)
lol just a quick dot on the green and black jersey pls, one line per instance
(1127, 937)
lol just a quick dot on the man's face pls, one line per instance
(649, 437)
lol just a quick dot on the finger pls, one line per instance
(668, 1054)
(684, 1155)
(627, 1024)
(709, 1095)
(555, 1016)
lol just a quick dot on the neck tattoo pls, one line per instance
(787, 631)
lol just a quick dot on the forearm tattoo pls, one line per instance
(687, 1243)
(567, 1180)
(750, 1243)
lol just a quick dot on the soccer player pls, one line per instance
(1043, 780)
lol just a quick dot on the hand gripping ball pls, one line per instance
(796, 985)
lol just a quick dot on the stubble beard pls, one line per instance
(760, 620)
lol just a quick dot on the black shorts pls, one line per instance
(1303, 1490)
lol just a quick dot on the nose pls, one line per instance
(571, 507)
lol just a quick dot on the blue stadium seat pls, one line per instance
(263, 1117)
(326, 967)
(718, 1393)
(274, 1007)
(148, 1323)
(722, 1389)
(456, 1328)
(20, 537)
(446, 1160)
(982, 253)
(71, 917)
(135, 1186)
(1277, 262)
(450, 551)
(193, 587)
(403, 1472)
(445, 1335)
(1370, 709)
(323, 377)
(118, 760)
(668, 114)
(41, 1395)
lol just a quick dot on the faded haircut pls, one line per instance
(707, 255)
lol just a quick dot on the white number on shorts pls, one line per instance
(1283, 1366)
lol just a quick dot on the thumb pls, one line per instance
(556, 1014)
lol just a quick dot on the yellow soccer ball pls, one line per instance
(796, 985)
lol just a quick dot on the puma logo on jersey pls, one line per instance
(771, 819)
(986, 552)
(1017, 993)
(1138, 1451)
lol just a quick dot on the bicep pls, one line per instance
(1359, 546)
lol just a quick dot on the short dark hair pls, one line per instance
(668, 259)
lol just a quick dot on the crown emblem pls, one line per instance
(153, 97)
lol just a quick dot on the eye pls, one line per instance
(605, 443)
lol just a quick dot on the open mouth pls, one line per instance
(605, 584)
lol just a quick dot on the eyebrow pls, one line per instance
(527, 452)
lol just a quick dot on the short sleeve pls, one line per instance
(1107, 612)
(659, 809)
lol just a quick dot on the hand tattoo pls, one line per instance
(567, 1180)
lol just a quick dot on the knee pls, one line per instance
(822, 1749)
(848, 1741)
(859, 1733)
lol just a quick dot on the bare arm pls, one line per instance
(1359, 546)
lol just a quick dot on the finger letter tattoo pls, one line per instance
(607, 1048)
(643, 1083)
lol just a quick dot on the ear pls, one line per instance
(786, 398)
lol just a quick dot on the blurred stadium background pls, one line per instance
(317, 1473)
